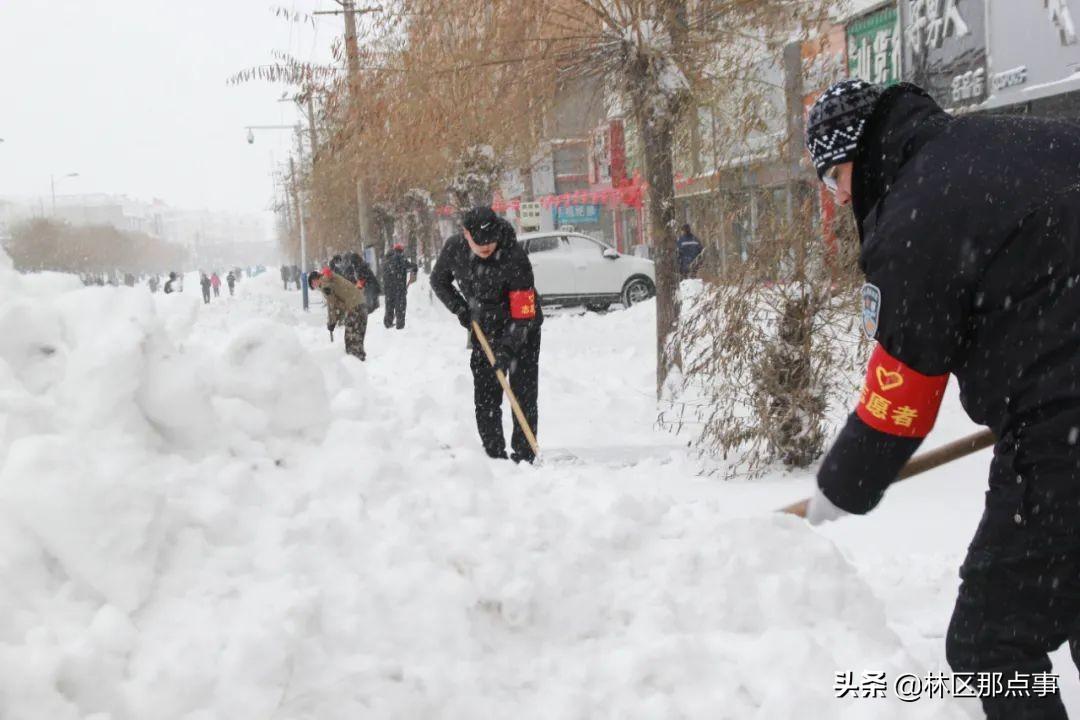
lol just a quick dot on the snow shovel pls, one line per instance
(923, 462)
(506, 389)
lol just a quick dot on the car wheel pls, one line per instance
(598, 307)
(636, 290)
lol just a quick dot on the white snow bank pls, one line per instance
(205, 513)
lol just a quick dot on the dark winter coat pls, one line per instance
(689, 248)
(354, 268)
(485, 286)
(970, 230)
(396, 270)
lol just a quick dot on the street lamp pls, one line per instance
(52, 184)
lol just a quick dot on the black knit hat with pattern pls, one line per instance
(837, 120)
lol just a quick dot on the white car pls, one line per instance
(573, 269)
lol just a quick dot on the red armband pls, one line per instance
(523, 304)
(899, 400)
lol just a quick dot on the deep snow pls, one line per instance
(210, 512)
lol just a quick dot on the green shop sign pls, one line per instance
(873, 43)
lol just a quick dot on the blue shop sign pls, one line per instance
(577, 214)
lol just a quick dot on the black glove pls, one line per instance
(504, 360)
(465, 318)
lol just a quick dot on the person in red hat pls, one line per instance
(344, 303)
(399, 272)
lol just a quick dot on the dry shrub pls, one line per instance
(771, 348)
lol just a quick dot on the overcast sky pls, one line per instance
(131, 95)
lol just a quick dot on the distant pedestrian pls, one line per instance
(174, 284)
(344, 304)
(215, 283)
(205, 282)
(689, 249)
(399, 272)
(153, 283)
(296, 276)
(231, 280)
(286, 276)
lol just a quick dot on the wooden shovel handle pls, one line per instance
(926, 461)
(525, 428)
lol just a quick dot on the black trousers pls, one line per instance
(395, 307)
(1020, 592)
(488, 395)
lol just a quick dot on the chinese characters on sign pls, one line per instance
(909, 687)
(874, 47)
(970, 86)
(945, 49)
(577, 214)
(931, 22)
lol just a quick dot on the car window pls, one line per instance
(584, 245)
(543, 244)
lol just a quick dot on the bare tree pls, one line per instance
(657, 58)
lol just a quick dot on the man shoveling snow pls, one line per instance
(970, 235)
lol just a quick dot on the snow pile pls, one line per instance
(209, 514)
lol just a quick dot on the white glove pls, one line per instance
(821, 509)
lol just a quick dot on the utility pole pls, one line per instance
(352, 48)
(352, 54)
(303, 232)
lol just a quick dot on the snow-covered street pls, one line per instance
(208, 511)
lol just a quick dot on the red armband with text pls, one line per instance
(899, 400)
(523, 304)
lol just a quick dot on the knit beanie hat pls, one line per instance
(837, 120)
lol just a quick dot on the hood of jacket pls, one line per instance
(904, 119)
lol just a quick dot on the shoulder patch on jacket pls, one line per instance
(871, 309)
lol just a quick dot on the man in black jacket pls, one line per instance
(970, 234)
(353, 267)
(399, 272)
(495, 280)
